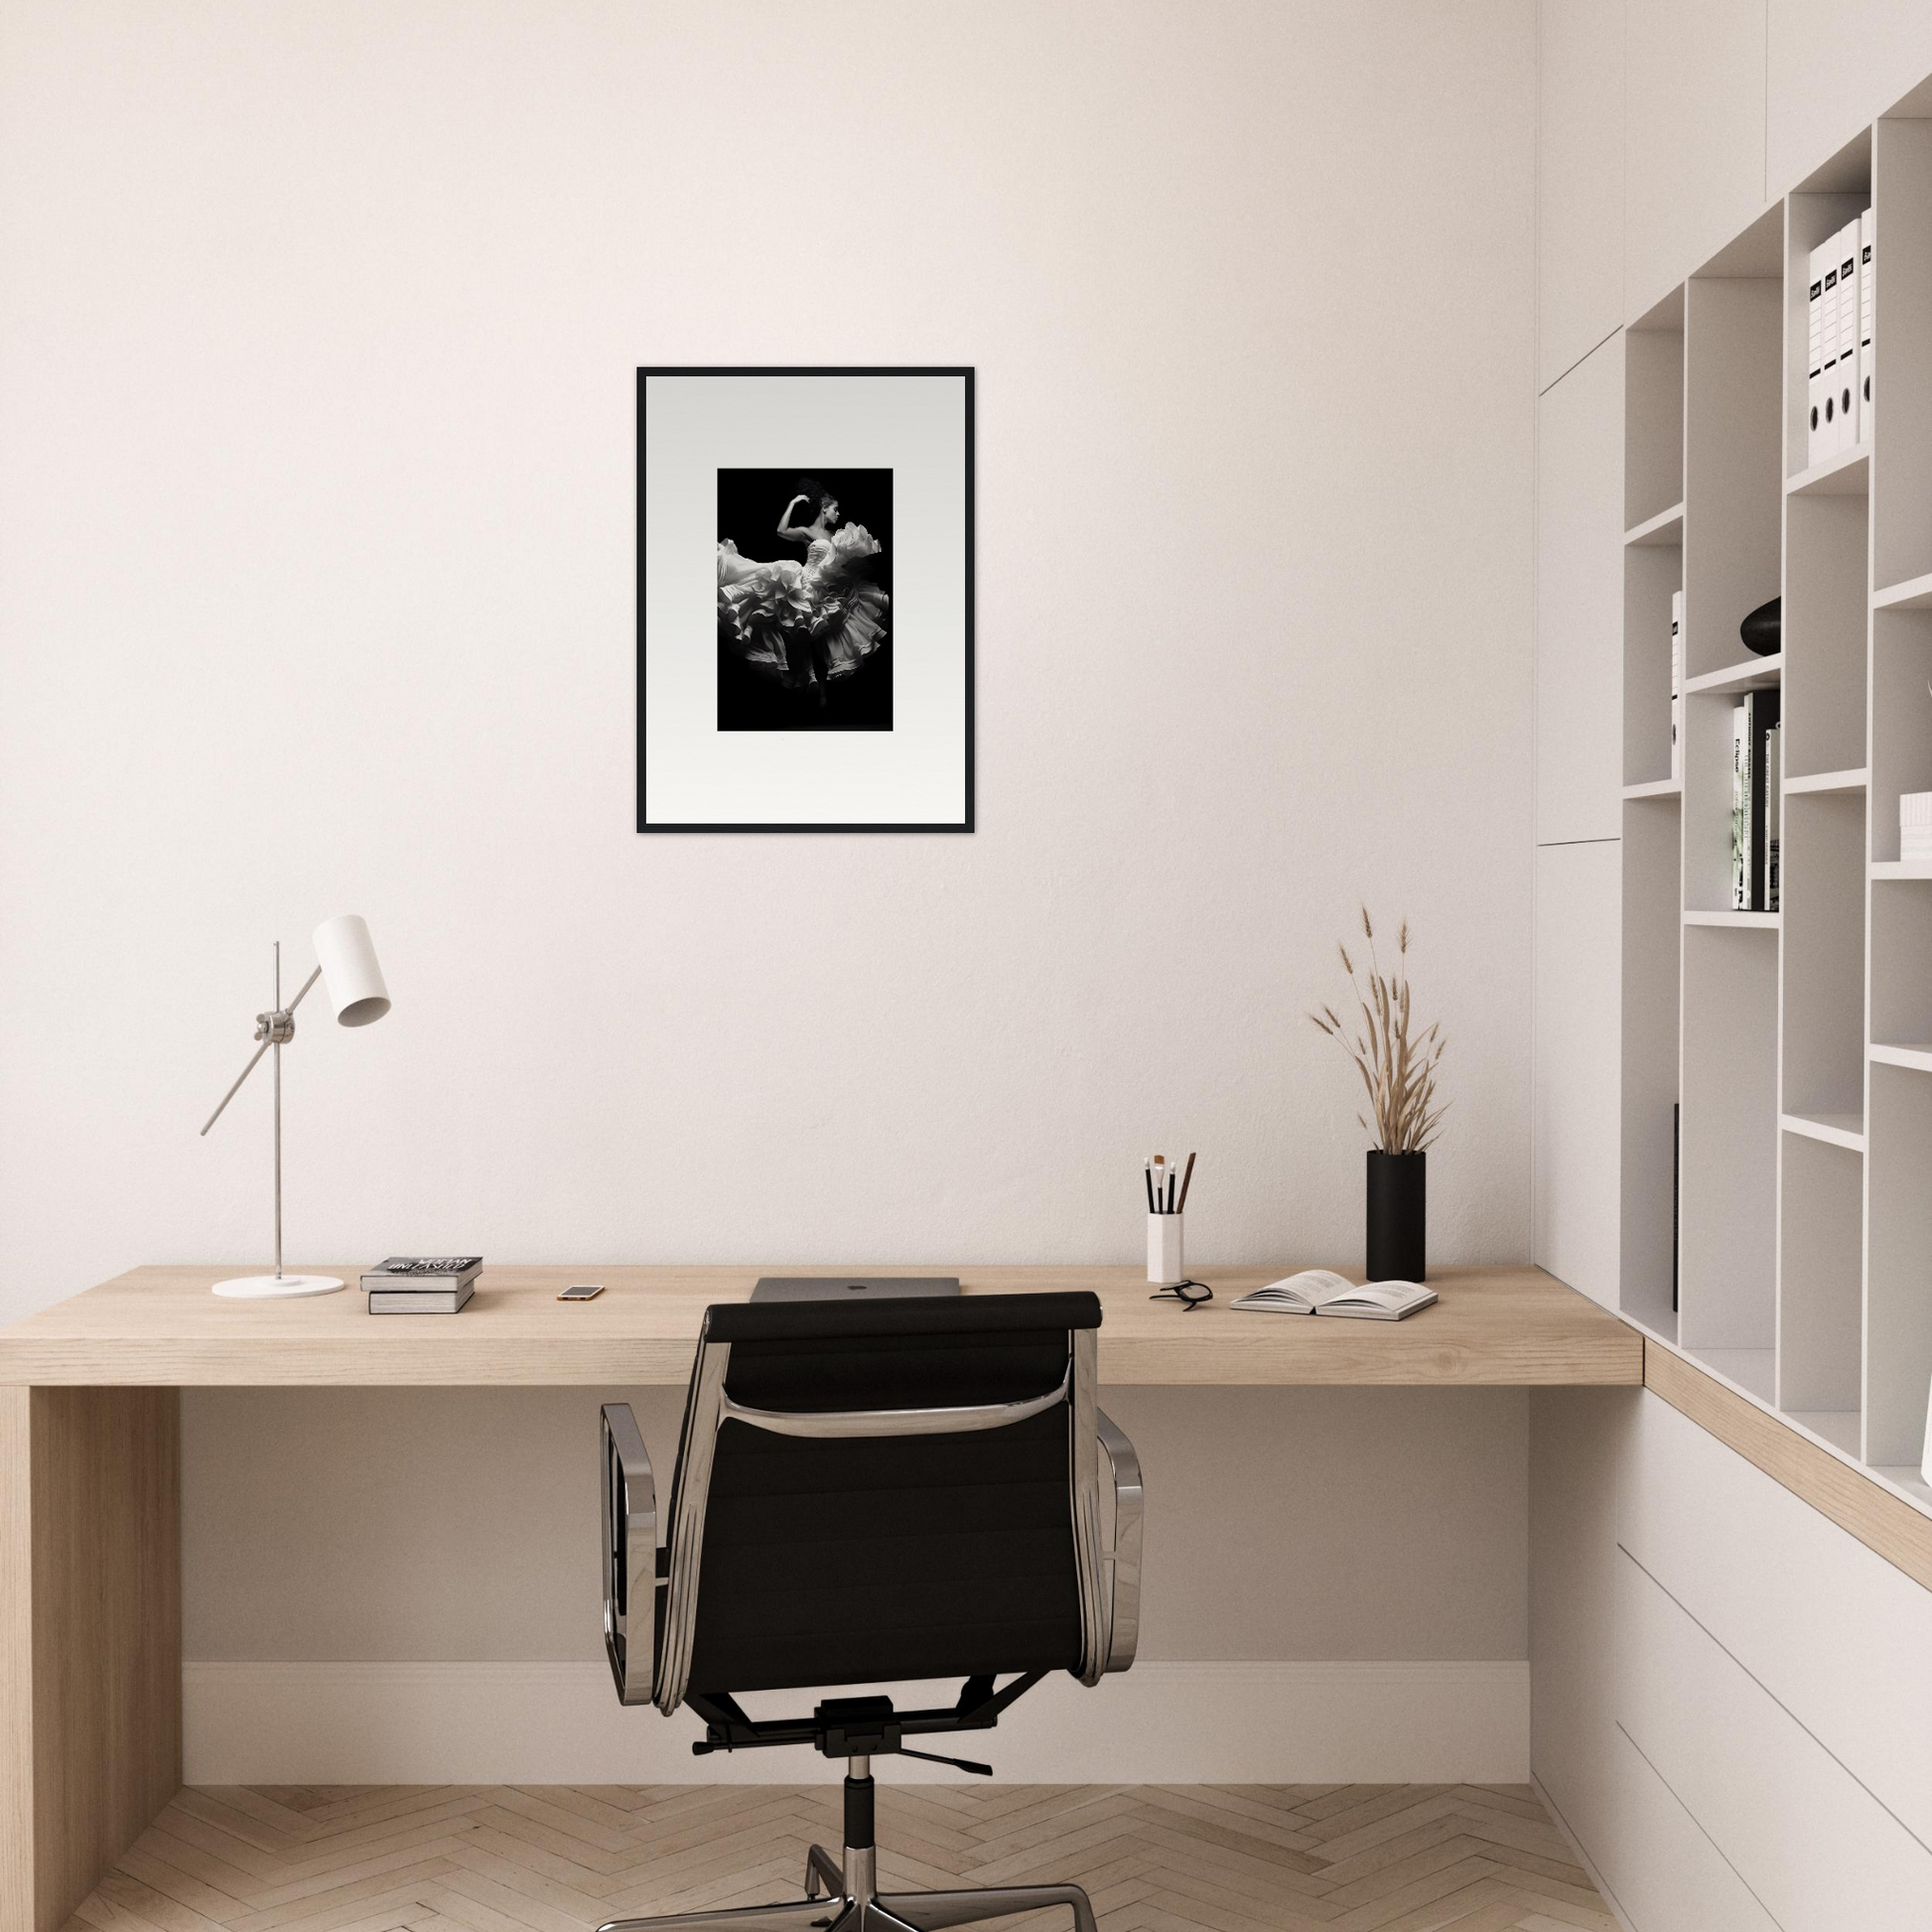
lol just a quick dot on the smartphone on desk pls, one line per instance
(582, 1292)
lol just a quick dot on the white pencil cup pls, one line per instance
(1163, 1249)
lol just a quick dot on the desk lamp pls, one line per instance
(345, 965)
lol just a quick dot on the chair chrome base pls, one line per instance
(852, 1906)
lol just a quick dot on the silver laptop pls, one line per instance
(849, 1287)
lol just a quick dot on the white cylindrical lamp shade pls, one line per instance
(350, 973)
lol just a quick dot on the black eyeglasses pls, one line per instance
(1190, 1295)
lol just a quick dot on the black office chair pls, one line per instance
(865, 1495)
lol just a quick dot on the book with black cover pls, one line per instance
(414, 1274)
(1760, 715)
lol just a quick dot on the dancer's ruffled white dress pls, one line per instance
(757, 603)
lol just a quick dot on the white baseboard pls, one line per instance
(561, 1724)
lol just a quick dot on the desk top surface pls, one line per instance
(159, 1326)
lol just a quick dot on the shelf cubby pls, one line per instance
(1822, 921)
(1733, 480)
(1653, 433)
(1706, 803)
(1821, 1257)
(1653, 940)
(1901, 718)
(1898, 1310)
(1902, 963)
(1826, 613)
(1652, 572)
(1729, 1085)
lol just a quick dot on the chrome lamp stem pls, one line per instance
(274, 1029)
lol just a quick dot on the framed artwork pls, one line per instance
(805, 600)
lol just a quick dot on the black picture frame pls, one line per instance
(966, 376)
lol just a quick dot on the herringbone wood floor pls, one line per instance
(561, 1857)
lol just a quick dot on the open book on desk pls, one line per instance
(1321, 1291)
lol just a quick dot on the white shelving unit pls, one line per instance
(1797, 1044)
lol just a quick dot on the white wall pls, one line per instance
(315, 491)
(1282, 1523)
(319, 324)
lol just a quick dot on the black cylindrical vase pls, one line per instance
(1397, 1216)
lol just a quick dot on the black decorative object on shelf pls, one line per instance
(1763, 631)
(1397, 1216)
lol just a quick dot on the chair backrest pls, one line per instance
(884, 1492)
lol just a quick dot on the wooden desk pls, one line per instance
(90, 1461)
(161, 1328)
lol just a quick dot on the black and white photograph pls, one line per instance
(804, 600)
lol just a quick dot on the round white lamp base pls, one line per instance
(276, 1287)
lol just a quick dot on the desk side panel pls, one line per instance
(103, 1540)
(16, 1664)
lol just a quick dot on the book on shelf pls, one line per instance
(1740, 810)
(1773, 808)
(1321, 1291)
(1751, 723)
(1847, 394)
(1760, 719)
(1815, 357)
(1677, 687)
(1868, 301)
(1825, 268)
(420, 1300)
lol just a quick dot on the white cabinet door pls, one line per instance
(1578, 180)
(1783, 1588)
(1574, 1202)
(1659, 1865)
(1693, 137)
(1815, 1847)
(1579, 602)
(1834, 64)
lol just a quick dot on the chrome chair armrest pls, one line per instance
(629, 1555)
(1124, 1559)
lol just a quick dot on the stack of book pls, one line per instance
(1754, 803)
(422, 1284)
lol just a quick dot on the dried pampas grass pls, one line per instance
(1397, 1071)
